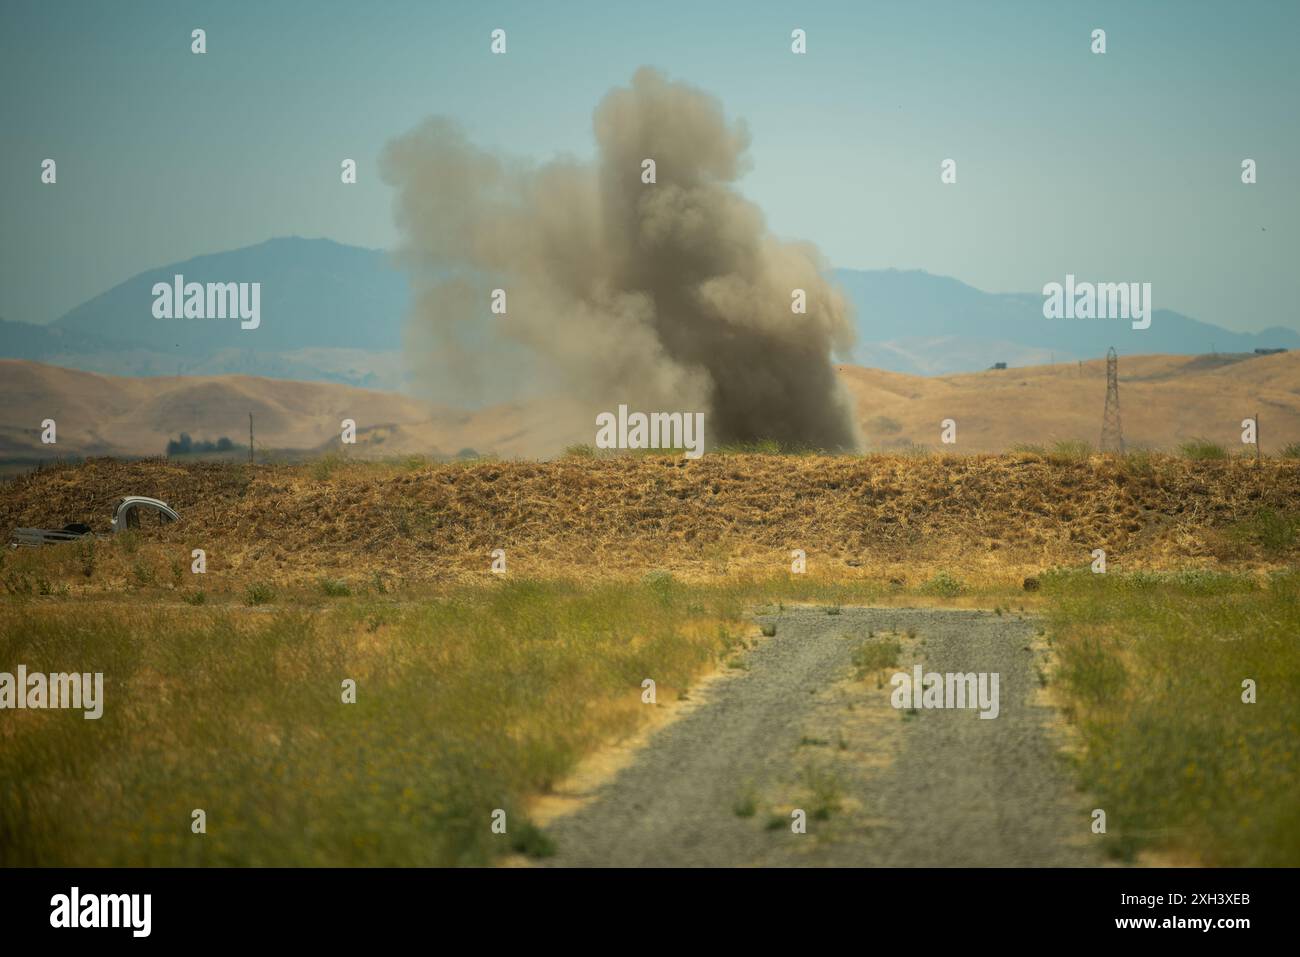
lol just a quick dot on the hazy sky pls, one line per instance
(1120, 167)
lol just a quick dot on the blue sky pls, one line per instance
(1122, 167)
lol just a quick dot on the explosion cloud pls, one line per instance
(670, 295)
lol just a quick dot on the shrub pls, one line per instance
(943, 584)
(259, 593)
(1071, 450)
(875, 654)
(335, 588)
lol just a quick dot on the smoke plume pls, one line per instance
(665, 296)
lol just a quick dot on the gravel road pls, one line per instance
(793, 727)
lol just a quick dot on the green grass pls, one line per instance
(1140, 463)
(1071, 450)
(767, 447)
(1151, 668)
(1273, 531)
(528, 839)
(746, 805)
(259, 593)
(465, 704)
(335, 588)
(875, 654)
(825, 791)
(1203, 450)
(943, 585)
(479, 697)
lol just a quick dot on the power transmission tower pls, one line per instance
(1112, 436)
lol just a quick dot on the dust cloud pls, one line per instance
(665, 296)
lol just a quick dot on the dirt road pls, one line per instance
(793, 728)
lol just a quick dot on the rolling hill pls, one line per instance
(1165, 400)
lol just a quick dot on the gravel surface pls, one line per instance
(794, 727)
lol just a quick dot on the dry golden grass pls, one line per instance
(882, 519)
(1165, 400)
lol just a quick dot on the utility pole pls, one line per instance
(250, 438)
(1112, 436)
(1259, 454)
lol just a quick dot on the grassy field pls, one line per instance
(1151, 667)
(477, 692)
(466, 702)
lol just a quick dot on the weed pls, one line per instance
(943, 584)
(259, 593)
(527, 838)
(1273, 531)
(335, 588)
(86, 556)
(825, 790)
(1203, 450)
(873, 655)
(1071, 450)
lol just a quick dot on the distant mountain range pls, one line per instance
(334, 313)
(922, 324)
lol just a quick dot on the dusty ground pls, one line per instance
(940, 788)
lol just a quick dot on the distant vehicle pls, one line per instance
(997, 365)
(127, 513)
(1268, 352)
